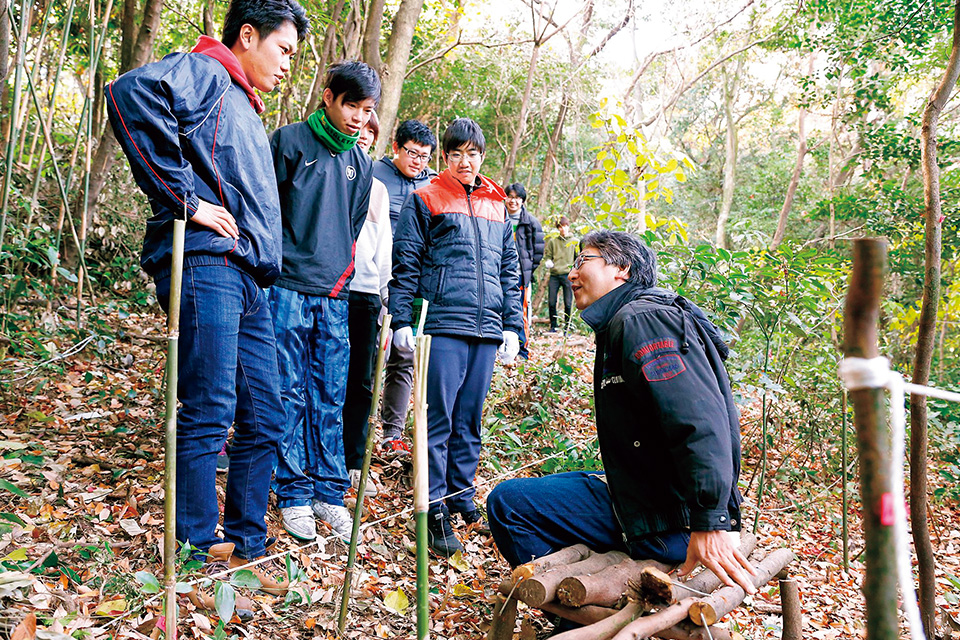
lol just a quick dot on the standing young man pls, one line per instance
(324, 181)
(190, 128)
(529, 237)
(558, 258)
(407, 171)
(454, 248)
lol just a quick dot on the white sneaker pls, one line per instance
(370, 489)
(336, 516)
(298, 522)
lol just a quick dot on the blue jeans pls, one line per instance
(227, 375)
(457, 384)
(534, 517)
(314, 353)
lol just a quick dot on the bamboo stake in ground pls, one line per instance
(170, 428)
(364, 469)
(861, 315)
(14, 110)
(421, 491)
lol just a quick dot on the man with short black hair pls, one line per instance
(667, 425)
(190, 128)
(408, 170)
(529, 236)
(325, 182)
(454, 248)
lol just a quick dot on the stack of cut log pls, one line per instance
(616, 597)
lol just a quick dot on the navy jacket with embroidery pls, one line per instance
(455, 249)
(324, 197)
(190, 132)
(668, 428)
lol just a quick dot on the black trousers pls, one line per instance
(364, 309)
(556, 282)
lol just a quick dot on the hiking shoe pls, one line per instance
(218, 559)
(395, 448)
(440, 536)
(298, 522)
(475, 520)
(272, 574)
(336, 516)
(369, 490)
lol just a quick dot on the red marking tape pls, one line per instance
(886, 509)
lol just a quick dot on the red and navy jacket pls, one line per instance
(668, 428)
(189, 126)
(455, 249)
(324, 197)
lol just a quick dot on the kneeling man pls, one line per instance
(668, 429)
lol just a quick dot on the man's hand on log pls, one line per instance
(713, 550)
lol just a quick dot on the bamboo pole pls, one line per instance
(88, 134)
(421, 491)
(170, 427)
(51, 111)
(364, 469)
(873, 442)
(14, 110)
(844, 516)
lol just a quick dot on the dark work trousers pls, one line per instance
(534, 517)
(457, 385)
(397, 382)
(524, 336)
(362, 320)
(556, 282)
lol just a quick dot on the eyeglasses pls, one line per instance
(455, 156)
(583, 257)
(413, 155)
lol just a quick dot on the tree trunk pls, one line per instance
(511, 163)
(861, 316)
(128, 32)
(327, 53)
(546, 176)
(371, 35)
(106, 150)
(794, 180)
(398, 55)
(927, 326)
(730, 162)
(209, 26)
(4, 40)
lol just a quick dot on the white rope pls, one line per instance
(875, 373)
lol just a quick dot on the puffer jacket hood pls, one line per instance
(454, 249)
(190, 133)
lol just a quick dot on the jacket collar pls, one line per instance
(221, 53)
(483, 188)
(599, 314)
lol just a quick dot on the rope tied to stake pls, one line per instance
(874, 373)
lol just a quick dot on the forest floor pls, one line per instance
(81, 513)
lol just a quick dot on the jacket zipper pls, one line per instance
(613, 500)
(476, 228)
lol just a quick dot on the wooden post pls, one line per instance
(873, 442)
(504, 619)
(790, 607)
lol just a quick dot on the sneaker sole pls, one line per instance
(299, 537)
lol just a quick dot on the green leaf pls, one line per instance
(149, 581)
(17, 555)
(245, 578)
(225, 600)
(12, 517)
(12, 488)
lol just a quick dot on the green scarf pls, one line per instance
(331, 137)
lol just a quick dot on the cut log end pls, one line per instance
(572, 592)
(532, 592)
(703, 613)
(656, 586)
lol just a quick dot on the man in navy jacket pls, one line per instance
(189, 126)
(667, 425)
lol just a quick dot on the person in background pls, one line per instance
(212, 170)
(529, 238)
(325, 182)
(558, 258)
(406, 171)
(455, 249)
(368, 296)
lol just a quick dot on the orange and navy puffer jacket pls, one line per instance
(454, 248)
